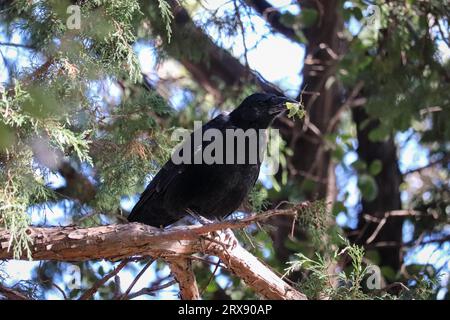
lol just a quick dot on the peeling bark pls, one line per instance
(114, 242)
(182, 271)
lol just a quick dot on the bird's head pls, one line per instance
(259, 110)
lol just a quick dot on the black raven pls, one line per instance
(217, 189)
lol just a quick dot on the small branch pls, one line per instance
(60, 290)
(89, 293)
(431, 164)
(395, 244)
(117, 287)
(242, 29)
(441, 32)
(37, 74)
(210, 278)
(56, 287)
(349, 102)
(150, 291)
(377, 230)
(11, 294)
(381, 222)
(17, 45)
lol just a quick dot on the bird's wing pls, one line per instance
(171, 170)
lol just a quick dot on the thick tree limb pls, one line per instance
(182, 271)
(115, 242)
(262, 279)
(88, 294)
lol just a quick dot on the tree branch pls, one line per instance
(182, 271)
(127, 292)
(444, 159)
(89, 293)
(115, 242)
(414, 243)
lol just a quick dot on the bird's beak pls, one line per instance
(279, 104)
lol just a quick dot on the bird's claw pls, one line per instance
(226, 238)
(230, 239)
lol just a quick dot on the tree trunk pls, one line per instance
(311, 167)
(388, 198)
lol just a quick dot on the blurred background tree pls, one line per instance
(86, 117)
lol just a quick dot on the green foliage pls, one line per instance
(375, 167)
(21, 186)
(258, 198)
(23, 179)
(422, 288)
(321, 283)
(167, 16)
(56, 113)
(318, 277)
(315, 219)
(402, 70)
(296, 109)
